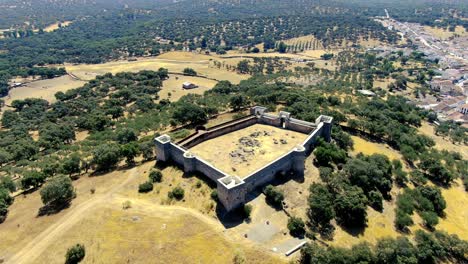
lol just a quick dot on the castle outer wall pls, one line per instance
(232, 190)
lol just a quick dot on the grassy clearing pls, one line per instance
(172, 88)
(45, 89)
(152, 228)
(173, 61)
(369, 148)
(444, 33)
(304, 43)
(167, 234)
(455, 221)
(441, 142)
(56, 26)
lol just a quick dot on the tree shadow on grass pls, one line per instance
(353, 230)
(52, 209)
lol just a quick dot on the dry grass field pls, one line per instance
(382, 224)
(55, 26)
(173, 61)
(303, 43)
(45, 89)
(444, 33)
(153, 228)
(368, 148)
(256, 152)
(172, 88)
(441, 142)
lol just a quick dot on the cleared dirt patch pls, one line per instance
(244, 151)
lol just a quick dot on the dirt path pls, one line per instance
(150, 208)
(40, 243)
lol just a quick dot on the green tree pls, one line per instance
(75, 254)
(320, 205)
(350, 207)
(238, 101)
(106, 156)
(189, 113)
(402, 220)
(296, 226)
(190, 72)
(130, 151)
(282, 47)
(375, 200)
(32, 179)
(147, 150)
(273, 195)
(243, 66)
(126, 135)
(71, 164)
(57, 192)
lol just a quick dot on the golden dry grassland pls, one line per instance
(45, 89)
(441, 142)
(175, 61)
(444, 33)
(55, 26)
(382, 224)
(152, 228)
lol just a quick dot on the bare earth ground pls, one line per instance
(217, 151)
(173, 61)
(44, 89)
(146, 232)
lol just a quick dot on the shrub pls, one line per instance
(296, 226)
(155, 176)
(177, 193)
(273, 195)
(214, 195)
(247, 210)
(75, 254)
(145, 187)
(3, 211)
(375, 200)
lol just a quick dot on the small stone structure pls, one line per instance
(232, 190)
(189, 85)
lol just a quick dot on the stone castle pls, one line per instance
(232, 190)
